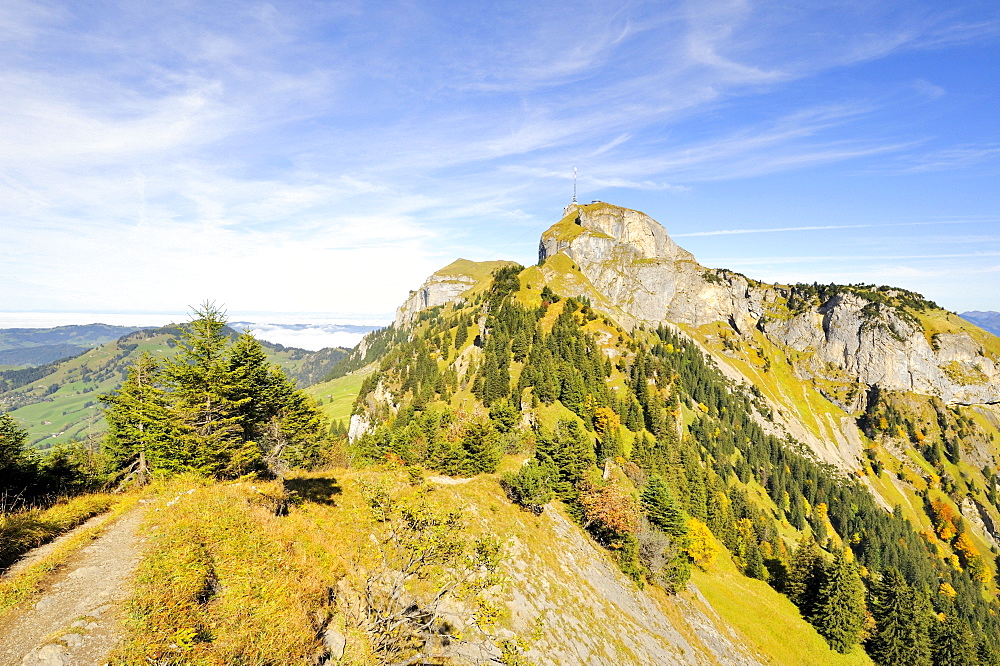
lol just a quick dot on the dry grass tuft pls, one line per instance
(23, 530)
(224, 581)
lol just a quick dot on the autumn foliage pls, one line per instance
(611, 508)
(702, 547)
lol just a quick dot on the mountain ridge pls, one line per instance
(875, 335)
(987, 320)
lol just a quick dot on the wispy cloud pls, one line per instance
(948, 159)
(239, 148)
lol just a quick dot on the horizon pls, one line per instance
(313, 331)
(279, 159)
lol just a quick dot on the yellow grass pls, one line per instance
(23, 530)
(767, 620)
(19, 588)
(224, 581)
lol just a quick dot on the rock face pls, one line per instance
(876, 346)
(629, 257)
(444, 286)
(436, 290)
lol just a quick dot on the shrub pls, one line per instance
(530, 487)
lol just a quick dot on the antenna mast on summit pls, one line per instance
(574, 184)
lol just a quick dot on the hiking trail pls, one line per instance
(75, 619)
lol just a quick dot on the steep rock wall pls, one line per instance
(445, 286)
(630, 258)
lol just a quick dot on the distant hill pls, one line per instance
(34, 356)
(986, 320)
(58, 401)
(38, 346)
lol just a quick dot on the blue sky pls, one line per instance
(324, 157)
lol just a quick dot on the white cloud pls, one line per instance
(278, 157)
(312, 338)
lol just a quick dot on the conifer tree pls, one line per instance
(662, 509)
(294, 428)
(271, 412)
(217, 408)
(207, 399)
(952, 642)
(901, 624)
(482, 448)
(18, 469)
(839, 610)
(755, 562)
(252, 388)
(140, 436)
(805, 575)
(568, 450)
(13, 439)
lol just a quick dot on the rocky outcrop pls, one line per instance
(876, 346)
(630, 258)
(445, 286)
(436, 290)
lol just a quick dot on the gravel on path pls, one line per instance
(75, 621)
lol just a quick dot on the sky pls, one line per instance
(319, 159)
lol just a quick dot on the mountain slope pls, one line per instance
(988, 321)
(37, 346)
(859, 333)
(58, 402)
(857, 416)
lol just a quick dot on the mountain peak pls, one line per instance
(855, 334)
(603, 227)
(445, 285)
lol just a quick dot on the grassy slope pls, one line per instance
(478, 270)
(268, 575)
(73, 412)
(338, 395)
(767, 620)
(905, 475)
(780, 383)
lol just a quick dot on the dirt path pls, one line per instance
(75, 621)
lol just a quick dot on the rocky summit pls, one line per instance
(873, 336)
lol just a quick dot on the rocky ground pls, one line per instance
(594, 615)
(76, 618)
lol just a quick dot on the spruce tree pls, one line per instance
(252, 388)
(662, 509)
(482, 448)
(805, 575)
(207, 401)
(901, 623)
(569, 451)
(271, 412)
(952, 642)
(18, 468)
(839, 610)
(140, 436)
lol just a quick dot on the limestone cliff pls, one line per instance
(856, 336)
(444, 286)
